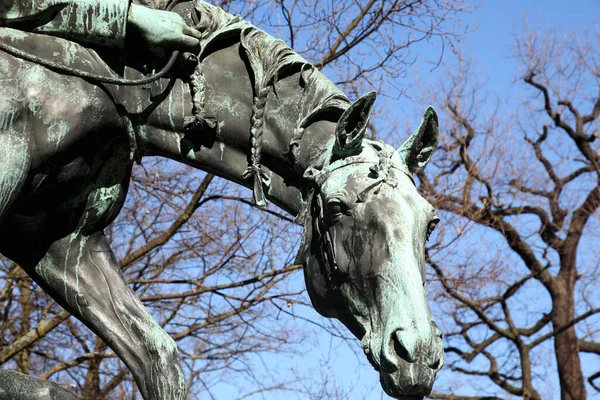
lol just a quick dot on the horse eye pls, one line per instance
(431, 227)
(337, 208)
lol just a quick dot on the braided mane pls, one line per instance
(269, 58)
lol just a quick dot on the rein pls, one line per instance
(62, 69)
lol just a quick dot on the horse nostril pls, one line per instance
(405, 345)
(436, 363)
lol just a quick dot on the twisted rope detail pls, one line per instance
(199, 120)
(254, 170)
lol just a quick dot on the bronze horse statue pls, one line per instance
(252, 111)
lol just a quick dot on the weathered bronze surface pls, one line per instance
(252, 111)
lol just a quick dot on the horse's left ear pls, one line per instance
(352, 126)
(418, 149)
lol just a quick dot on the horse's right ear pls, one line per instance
(352, 126)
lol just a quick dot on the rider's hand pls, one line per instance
(163, 28)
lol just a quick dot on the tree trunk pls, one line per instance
(26, 308)
(572, 386)
(91, 387)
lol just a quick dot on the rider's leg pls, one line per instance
(81, 273)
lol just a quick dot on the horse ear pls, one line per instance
(418, 149)
(352, 126)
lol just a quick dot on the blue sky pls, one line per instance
(494, 26)
(499, 21)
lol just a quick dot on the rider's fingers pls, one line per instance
(188, 30)
(190, 42)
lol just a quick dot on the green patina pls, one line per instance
(102, 199)
(268, 58)
(15, 158)
(424, 139)
(80, 252)
(222, 147)
(45, 268)
(154, 336)
(82, 240)
(231, 106)
(141, 131)
(71, 53)
(191, 155)
(14, 34)
(36, 76)
(187, 153)
(4, 66)
(57, 131)
(100, 22)
(385, 293)
(230, 75)
(8, 116)
(162, 347)
(66, 264)
(148, 17)
(35, 106)
(171, 112)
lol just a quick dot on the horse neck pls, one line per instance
(286, 152)
(296, 119)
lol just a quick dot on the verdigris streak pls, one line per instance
(250, 110)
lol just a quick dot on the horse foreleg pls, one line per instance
(81, 273)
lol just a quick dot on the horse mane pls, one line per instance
(269, 58)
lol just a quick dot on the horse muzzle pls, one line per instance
(413, 381)
(408, 361)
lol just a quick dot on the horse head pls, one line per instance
(365, 227)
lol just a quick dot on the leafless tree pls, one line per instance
(516, 267)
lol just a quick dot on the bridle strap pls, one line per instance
(326, 245)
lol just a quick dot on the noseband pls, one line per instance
(380, 171)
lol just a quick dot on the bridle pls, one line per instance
(380, 171)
